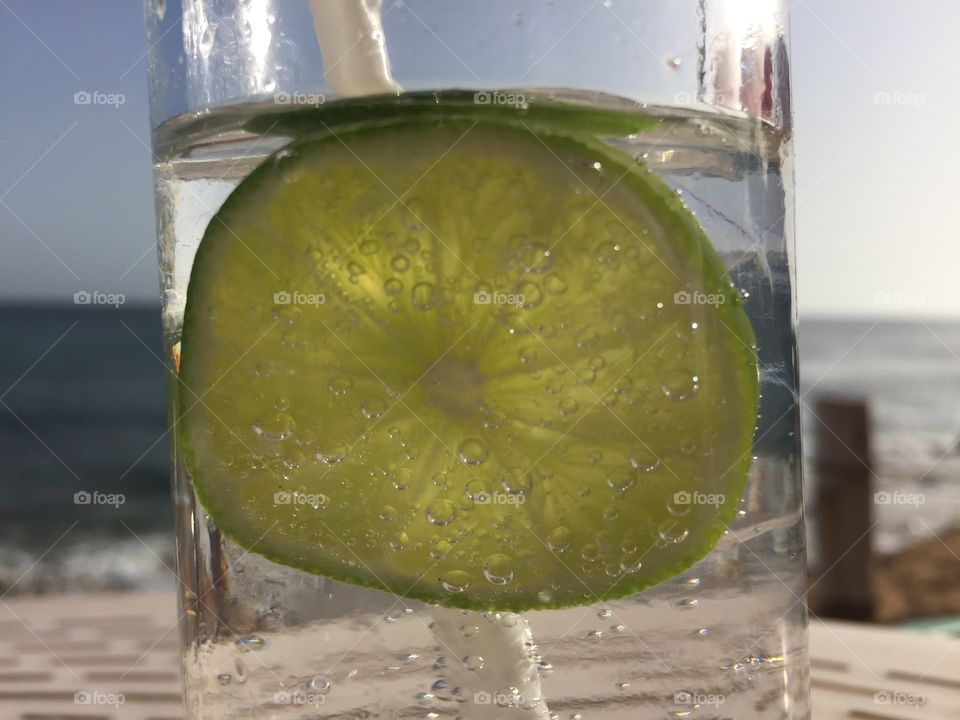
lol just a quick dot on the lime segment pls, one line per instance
(467, 361)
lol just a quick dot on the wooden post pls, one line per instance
(843, 509)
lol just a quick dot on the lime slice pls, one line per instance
(467, 361)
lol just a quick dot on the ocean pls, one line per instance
(83, 410)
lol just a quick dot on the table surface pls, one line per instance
(55, 649)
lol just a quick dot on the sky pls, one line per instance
(875, 146)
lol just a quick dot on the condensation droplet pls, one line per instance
(568, 406)
(473, 663)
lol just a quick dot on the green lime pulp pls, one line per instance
(449, 358)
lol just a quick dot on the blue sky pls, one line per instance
(875, 179)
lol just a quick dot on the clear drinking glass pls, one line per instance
(725, 638)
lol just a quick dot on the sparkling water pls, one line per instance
(724, 639)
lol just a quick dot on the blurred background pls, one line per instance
(82, 386)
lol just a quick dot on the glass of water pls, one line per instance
(420, 484)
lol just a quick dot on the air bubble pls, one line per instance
(392, 287)
(516, 481)
(469, 630)
(224, 678)
(279, 426)
(554, 285)
(621, 479)
(532, 294)
(558, 539)
(401, 479)
(472, 452)
(373, 408)
(455, 581)
(670, 533)
(400, 263)
(340, 386)
(250, 643)
(441, 512)
(320, 684)
(334, 455)
(369, 247)
(473, 663)
(498, 569)
(422, 295)
(441, 690)
(644, 461)
(568, 406)
(680, 384)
